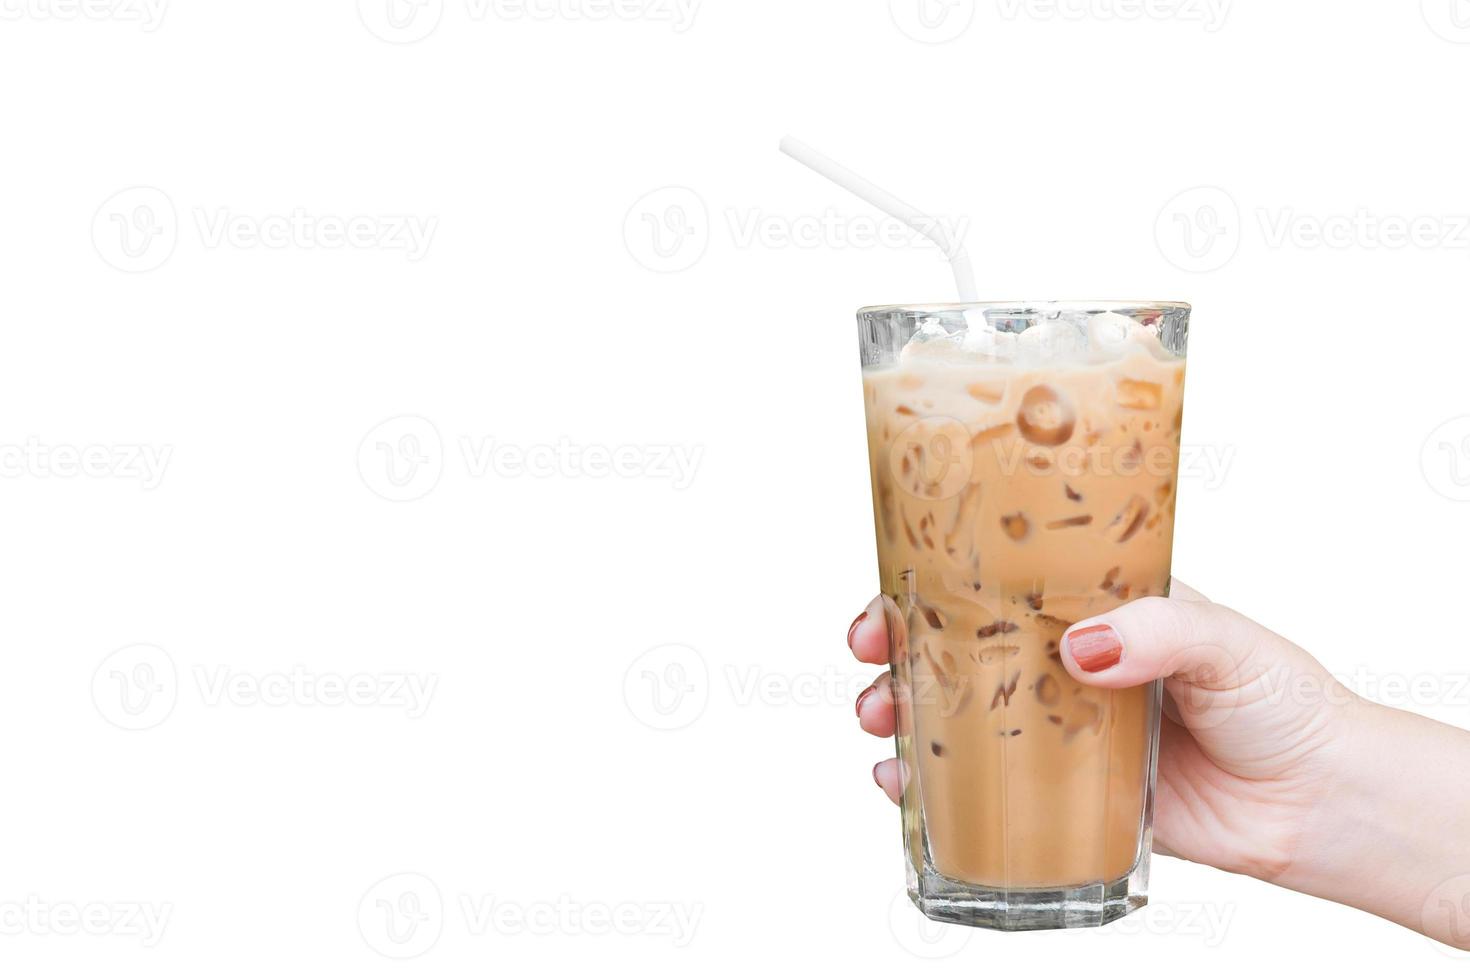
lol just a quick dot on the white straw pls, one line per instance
(959, 259)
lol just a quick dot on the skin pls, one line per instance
(1268, 766)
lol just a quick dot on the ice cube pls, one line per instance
(1016, 526)
(1106, 332)
(1148, 339)
(931, 328)
(1129, 519)
(1050, 340)
(990, 392)
(982, 338)
(1142, 395)
(1046, 417)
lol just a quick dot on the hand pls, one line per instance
(1268, 766)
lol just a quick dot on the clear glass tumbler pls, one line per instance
(1024, 461)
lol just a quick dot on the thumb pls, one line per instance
(1204, 650)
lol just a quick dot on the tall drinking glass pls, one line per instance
(1024, 461)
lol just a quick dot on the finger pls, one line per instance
(889, 777)
(1198, 642)
(1175, 743)
(875, 708)
(867, 637)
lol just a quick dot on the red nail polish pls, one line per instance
(853, 628)
(1095, 648)
(863, 697)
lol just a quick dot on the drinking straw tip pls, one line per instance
(884, 201)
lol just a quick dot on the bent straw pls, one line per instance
(959, 259)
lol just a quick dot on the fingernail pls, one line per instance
(875, 775)
(853, 628)
(863, 697)
(1095, 648)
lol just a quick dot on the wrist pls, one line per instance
(1340, 795)
(1390, 828)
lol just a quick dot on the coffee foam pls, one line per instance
(1060, 342)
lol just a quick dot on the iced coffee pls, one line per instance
(1024, 466)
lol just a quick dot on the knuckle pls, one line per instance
(1153, 606)
(1153, 617)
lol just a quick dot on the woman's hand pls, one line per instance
(1268, 766)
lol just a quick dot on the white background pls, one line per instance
(535, 779)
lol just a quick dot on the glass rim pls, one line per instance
(1050, 305)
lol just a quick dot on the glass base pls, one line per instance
(1025, 909)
